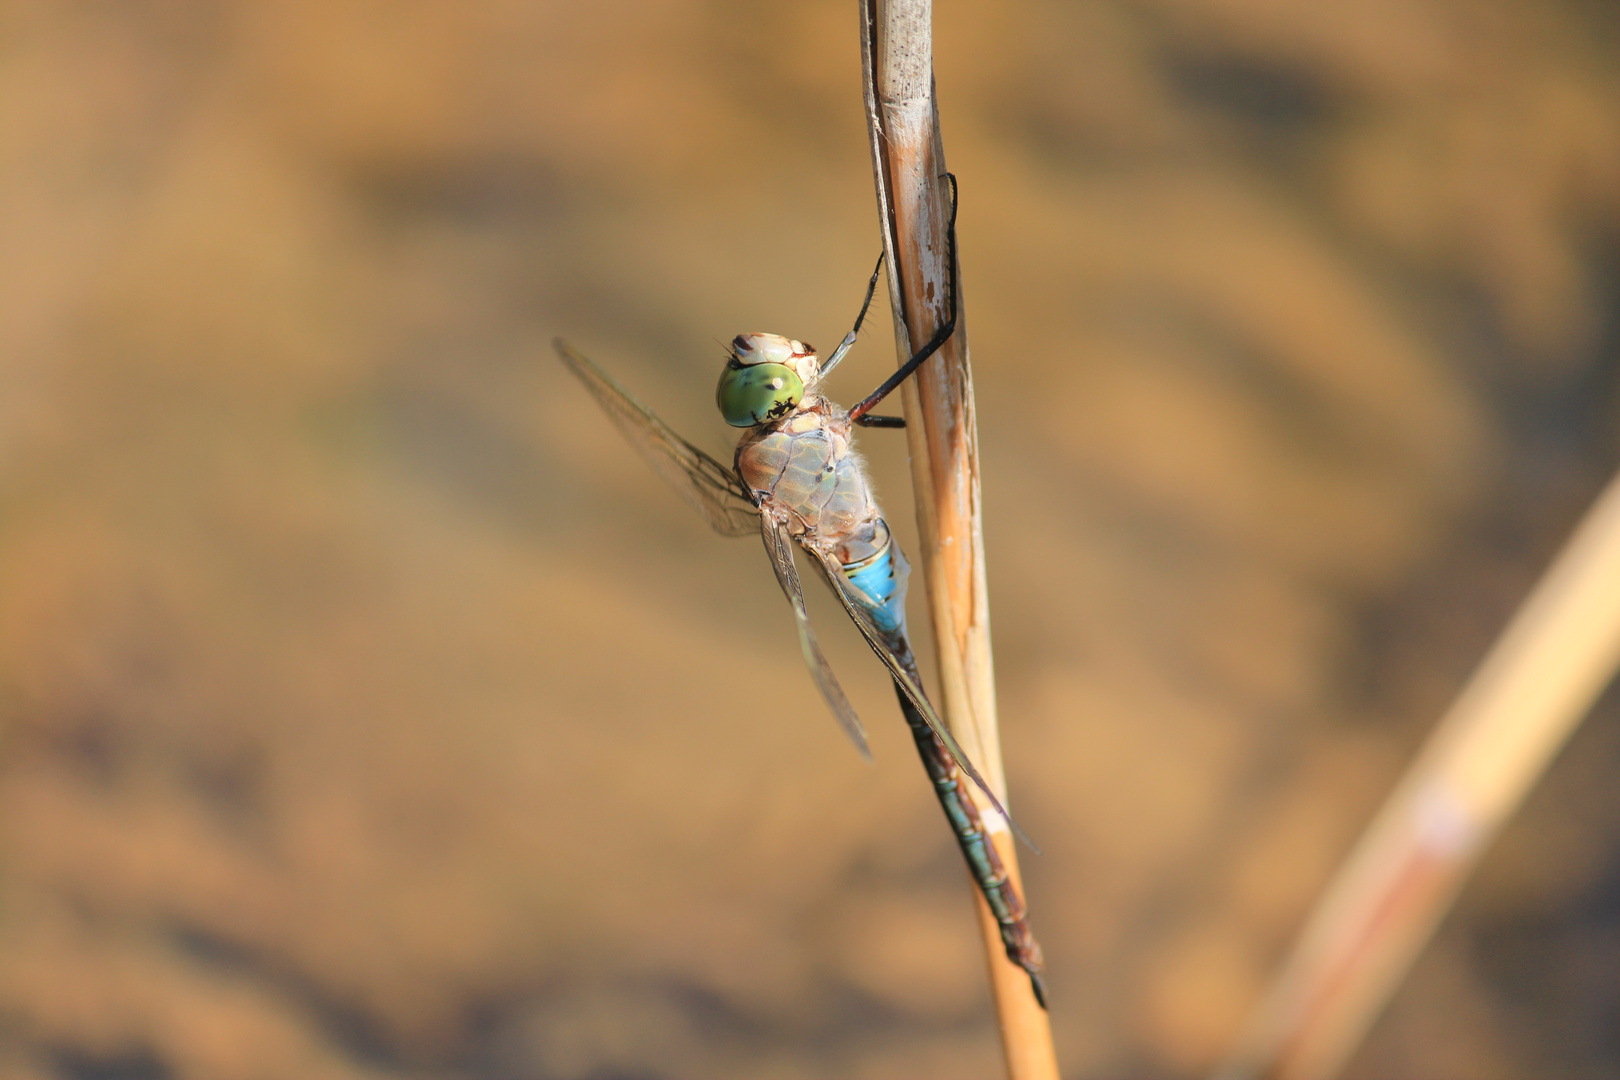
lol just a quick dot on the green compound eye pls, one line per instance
(756, 393)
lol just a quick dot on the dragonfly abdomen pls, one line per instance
(1012, 918)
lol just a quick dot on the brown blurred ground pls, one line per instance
(369, 711)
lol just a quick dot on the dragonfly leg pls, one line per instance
(849, 338)
(874, 420)
(940, 336)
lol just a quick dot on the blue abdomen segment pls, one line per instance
(881, 578)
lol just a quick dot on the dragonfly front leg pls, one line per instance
(941, 336)
(849, 338)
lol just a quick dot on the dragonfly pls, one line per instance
(796, 481)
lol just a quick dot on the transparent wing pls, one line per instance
(780, 548)
(905, 679)
(710, 488)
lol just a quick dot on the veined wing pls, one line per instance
(710, 488)
(780, 548)
(905, 680)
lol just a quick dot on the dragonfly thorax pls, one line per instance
(804, 469)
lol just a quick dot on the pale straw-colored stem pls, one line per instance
(908, 160)
(1533, 689)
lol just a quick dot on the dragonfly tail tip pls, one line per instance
(1038, 985)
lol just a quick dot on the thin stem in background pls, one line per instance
(908, 160)
(1530, 693)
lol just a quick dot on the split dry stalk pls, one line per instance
(1530, 693)
(908, 160)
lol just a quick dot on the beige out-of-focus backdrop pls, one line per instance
(368, 710)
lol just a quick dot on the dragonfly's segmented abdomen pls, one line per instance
(984, 863)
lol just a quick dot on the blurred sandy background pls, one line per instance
(369, 711)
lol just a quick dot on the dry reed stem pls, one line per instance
(908, 159)
(1532, 690)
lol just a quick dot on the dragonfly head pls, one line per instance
(764, 378)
